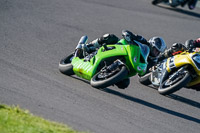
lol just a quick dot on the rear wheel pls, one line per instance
(105, 77)
(65, 65)
(172, 85)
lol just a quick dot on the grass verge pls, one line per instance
(15, 120)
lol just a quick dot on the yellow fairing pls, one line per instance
(181, 60)
(178, 61)
(194, 82)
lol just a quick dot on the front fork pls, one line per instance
(175, 75)
(113, 66)
(172, 77)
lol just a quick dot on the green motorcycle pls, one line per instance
(109, 65)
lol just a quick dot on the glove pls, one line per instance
(178, 47)
(175, 46)
(141, 39)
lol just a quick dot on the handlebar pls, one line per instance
(105, 47)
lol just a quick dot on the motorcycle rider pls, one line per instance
(174, 3)
(178, 48)
(156, 45)
(191, 4)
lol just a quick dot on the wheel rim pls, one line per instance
(105, 74)
(169, 82)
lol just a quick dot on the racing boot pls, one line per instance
(106, 38)
(192, 4)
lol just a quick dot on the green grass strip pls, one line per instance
(15, 120)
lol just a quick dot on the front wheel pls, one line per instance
(170, 86)
(105, 78)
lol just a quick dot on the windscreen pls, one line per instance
(144, 50)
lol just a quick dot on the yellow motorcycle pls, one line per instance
(173, 73)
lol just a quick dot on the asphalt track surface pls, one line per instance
(36, 34)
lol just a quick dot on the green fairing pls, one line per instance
(134, 49)
(131, 53)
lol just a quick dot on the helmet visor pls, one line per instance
(158, 44)
(154, 51)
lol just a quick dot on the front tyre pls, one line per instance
(170, 86)
(106, 78)
(65, 65)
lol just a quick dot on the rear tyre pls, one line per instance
(169, 87)
(104, 79)
(65, 65)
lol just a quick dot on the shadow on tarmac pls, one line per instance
(181, 99)
(179, 10)
(184, 100)
(151, 105)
